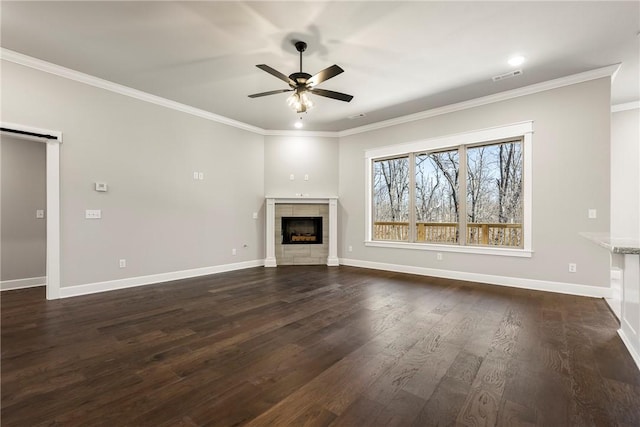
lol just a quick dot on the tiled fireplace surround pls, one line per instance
(301, 254)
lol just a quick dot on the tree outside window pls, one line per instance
(483, 181)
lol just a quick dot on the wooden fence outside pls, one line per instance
(488, 234)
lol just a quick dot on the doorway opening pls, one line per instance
(52, 139)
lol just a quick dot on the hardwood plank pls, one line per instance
(314, 346)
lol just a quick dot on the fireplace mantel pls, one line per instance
(332, 201)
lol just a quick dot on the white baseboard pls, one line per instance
(615, 305)
(514, 282)
(632, 350)
(130, 282)
(30, 282)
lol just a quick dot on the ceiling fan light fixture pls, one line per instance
(300, 102)
(303, 84)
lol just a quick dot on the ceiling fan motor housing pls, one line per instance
(300, 46)
(300, 78)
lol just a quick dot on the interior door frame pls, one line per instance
(52, 139)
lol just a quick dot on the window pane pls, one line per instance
(494, 195)
(437, 197)
(391, 199)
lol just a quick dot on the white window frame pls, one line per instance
(523, 130)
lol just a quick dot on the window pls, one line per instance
(494, 194)
(465, 193)
(437, 192)
(391, 199)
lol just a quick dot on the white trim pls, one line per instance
(302, 200)
(514, 282)
(332, 258)
(77, 76)
(632, 351)
(53, 220)
(30, 282)
(511, 130)
(480, 250)
(598, 73)
(527, 178)
(624, 107)
(53, 201)
(130, 282)
(270, 242)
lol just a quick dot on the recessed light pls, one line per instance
(514, 61)
(298, 124)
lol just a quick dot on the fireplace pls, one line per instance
(301, 230)
(301, 254)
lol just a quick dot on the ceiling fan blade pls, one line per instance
(331, 94)
(277, 74)
(271, 92)
(323, 75)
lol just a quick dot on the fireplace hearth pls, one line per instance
(301, 230)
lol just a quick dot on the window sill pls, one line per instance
(480, 250)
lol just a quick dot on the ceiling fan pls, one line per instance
(302, 83)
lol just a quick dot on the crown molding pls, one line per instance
(626, 106)
(598, 73)
(48, 67)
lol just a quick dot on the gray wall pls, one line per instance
(625, 174)
(570, 175)
(161, 220)
(154, 215)
(23, 237)
(300, 156)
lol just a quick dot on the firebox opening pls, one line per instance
(301, 230)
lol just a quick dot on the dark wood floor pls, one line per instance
(315, 346)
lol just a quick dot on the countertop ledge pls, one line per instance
(617, 245)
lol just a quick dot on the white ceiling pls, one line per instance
(399, 57)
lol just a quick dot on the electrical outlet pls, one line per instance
(292, 177)
(93, 214)
(439, 256)
(306, 177)
(123, 263)
(40, 213)
(233, 251)
(572, 267)
(350, 248)
(592, 214)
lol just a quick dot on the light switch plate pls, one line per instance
(39, 213)
(593, 214)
